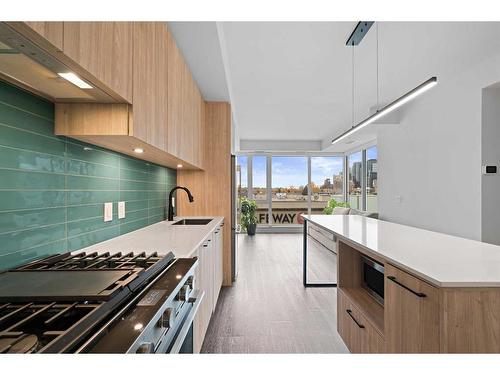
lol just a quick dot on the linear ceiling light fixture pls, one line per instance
(420, 89)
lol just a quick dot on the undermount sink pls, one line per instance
(193, 222)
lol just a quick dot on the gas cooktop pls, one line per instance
(51, 305)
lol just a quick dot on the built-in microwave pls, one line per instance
(373, 278)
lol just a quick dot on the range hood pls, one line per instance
(32, 68)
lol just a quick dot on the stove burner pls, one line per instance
(21, 344)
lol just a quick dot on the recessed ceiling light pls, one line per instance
(138, 150)
(179, 165)
(75, 80)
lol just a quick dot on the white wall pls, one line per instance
(490, 154)
(432, 159)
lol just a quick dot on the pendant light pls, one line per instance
(410, 95)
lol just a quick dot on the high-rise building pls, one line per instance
(371, 173)
(356, 172)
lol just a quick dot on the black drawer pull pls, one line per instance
(418, 294)
(353, 318)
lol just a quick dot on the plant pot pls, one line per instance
(251, 228)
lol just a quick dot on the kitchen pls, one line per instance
(129, 151)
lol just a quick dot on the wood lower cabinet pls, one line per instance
(208, 280)
(411, 313)
(359, 335)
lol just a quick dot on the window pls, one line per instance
(289, 189)
(355, 165)
(241, 181)
(327, 181)
(371, 179)
(259, 188)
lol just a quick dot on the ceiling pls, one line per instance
(292, 81)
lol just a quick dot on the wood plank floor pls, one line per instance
(268, 310)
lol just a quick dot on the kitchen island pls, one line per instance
(440, 293)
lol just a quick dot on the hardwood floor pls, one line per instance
(268, 310)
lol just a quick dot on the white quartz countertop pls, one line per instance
(440, 259)
(162, 237)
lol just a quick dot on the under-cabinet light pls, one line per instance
(138, 150)
(75, 80)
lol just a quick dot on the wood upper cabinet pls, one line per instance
(186, 106)
(104, 49)
(52, 31)
(411, 313)
(150, 83)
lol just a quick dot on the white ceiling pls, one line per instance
(293, 80)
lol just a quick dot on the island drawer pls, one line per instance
(359, 335)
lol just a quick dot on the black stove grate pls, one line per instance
(93, 261)
(32, 327)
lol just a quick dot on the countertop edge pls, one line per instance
(404, 267)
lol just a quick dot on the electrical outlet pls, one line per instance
(399, 199)
(108, 211)
(121, 210)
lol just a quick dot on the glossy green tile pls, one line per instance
(24, 256)
(157, 195)
(21, 220)
(134, 185)
(15, 241)
(134, 216)
(91, 154)
(134, 164)
(29, 141)
(13, 96)
(91, 183)
(129, 227)
(134, 175)
(136, 205)
(32, 161)
(157, 203)
(91, 197)
(76, 228)
(85, 212)
(87, 239)
(54, 188)
(19, 180)
(78, 167)
(133, 195)
(23, 120)
(155, 211)
(19, 200)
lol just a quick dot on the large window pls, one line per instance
(371, 179)
(285, 186)
(289, 189)
(327, 181)
(259, 188)
(354, 188)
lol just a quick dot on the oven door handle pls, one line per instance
(196, 298)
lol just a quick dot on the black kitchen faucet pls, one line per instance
(171, 206)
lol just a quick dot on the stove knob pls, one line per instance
(167, 319)
(145, 347)
(183, 293)
(190, 281)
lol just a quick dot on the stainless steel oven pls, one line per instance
(373, 278)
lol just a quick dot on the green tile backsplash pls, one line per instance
(52, 189)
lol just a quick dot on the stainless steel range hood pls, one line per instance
(29, 66)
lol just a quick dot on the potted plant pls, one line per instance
(332, 203)
(248, 216)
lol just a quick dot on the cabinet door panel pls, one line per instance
(150, 83)
(52, 31)
(411, 313)
(104, 49)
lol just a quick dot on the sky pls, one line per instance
(292, 170)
